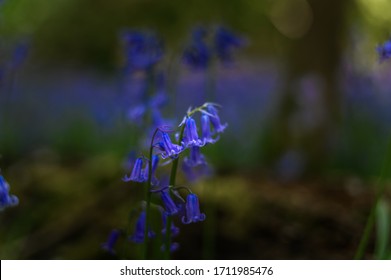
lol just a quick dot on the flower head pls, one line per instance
(225, 43)
(138, 235)
(190, 138)
(137, 172)
(215, 119)
(195, 157)
(384, 51)
(206, 133)
(142, 50)
(111, 240)
(167, 148)
(169, 204)
(197, 54)
(174, 229)
(6, 200)
(193, 213)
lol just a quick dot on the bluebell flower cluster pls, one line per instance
(207, 44)
(142, 50)
(173, 204)
(384, 50)
(6, 199)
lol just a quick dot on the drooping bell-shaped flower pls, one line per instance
(197, 55)
(174, 229)
(6, 200)
(195, 157)
(111, 241)
(167, 148)
(384, 51)
(142, 50)
(225, 43)
(215, 119)
(169, 204)
(190, 137)
(138, 235)
(206, 133)
(193, 213)
(137, 172)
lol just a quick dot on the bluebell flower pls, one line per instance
(145, 172)
(195, 157)
(206, 133)
(384, 50)
(137, 113)
(137, 172)
(174, 229)
(190, 136)
(169, 204)
(111, 241)
(167, 148)
(138, 235)
(215, 119)
(6, 200)
(143, 50)
(173, 247)
(225, 43)
(193, 213)
(194, 173)
(197, 54)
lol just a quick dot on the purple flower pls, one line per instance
(174, 229)
(197, 54)
(206, 133)
(384, 51)
(215, 119)
(137, 172)
(167, 148)
(195, 158)
(173, 247)
(190, 138)
(193, 213)
(6, 200)
(225, 43)
(142, 50)
(111, 240)
(138, 235)
(169, 204)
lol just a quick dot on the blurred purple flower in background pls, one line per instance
(384, 50)
(142, 50)
(6, 200)
(111, 241)
(138, 235)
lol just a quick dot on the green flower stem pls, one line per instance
(148, 196)
(372, 215)
(174, 169)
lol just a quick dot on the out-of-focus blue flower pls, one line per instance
(167, 148)
(195, 157)
(6, 200)
(173, 247)
(206, 133)
(193, 213)
(19, 54)
(190, 137)
(169, 204)
(137, 172)
(215, 119)
(138, 235)
(142, 50)
(111, 241)
(225, 43)
(197, 54)
(136, 114)
(174, 229)
(384, 50)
